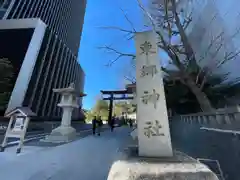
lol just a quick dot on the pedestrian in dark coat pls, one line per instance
(94, 124)
(99, 124)
(112, 123)
(130, 123)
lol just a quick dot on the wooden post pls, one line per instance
(199, 119)
(212, 119)
(4, 143)
(23, 135)
(219, 118)
(110, 108)
(227, 119)
(205, 119)
(237, 116)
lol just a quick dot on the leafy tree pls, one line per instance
(101, 109)
(118, 109)
(6, 74)
(89, 115)
(123, 107)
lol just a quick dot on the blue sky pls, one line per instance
(102, 13)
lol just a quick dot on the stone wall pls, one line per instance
(206, 137)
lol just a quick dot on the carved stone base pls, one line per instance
(61, 134)
(178, 167)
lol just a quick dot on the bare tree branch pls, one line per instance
(228, 57)
(213, 40)
(114, 50)
(203, 83)
(128, 20)
(178, 50)
(148, 14)
(120, 54)
(117, 28)
(131, 79)
(188, 48)
(129, 32)
(169, 27)
(168, 23)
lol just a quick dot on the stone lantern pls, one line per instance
(69, 100)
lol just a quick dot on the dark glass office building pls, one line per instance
(40, 38)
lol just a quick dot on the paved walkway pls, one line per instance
(86, 159)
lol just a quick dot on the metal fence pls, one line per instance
(209, 141)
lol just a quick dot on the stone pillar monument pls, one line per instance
(154, 157)
(65, 132)
(152, 118)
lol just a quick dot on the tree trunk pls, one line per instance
(201, 97)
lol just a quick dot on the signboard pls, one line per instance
(17, 126)
(19, 123)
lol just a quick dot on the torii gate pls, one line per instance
(127, 94)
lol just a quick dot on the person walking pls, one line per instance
(94, 123)
(112, 123)
(99, 123)
(130, 123)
